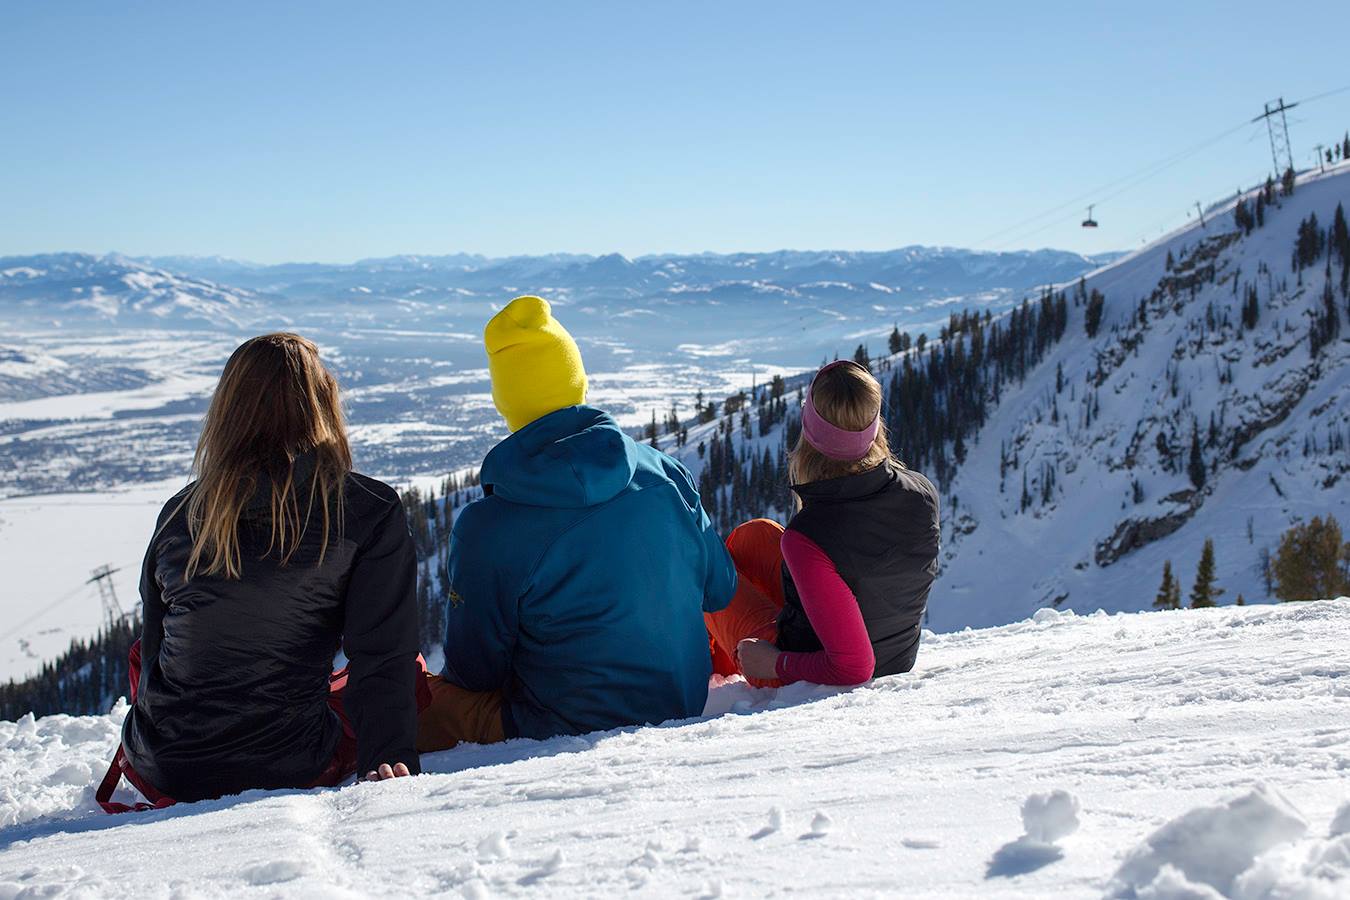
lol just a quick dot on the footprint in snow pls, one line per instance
(820, 826)
(276, 872)
(775, 825)
(551, 866)
(713, 890)
(494, 846)
(476, 890)
(649, 859)
(920, 843)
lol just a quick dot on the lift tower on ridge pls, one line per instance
(1279, 138)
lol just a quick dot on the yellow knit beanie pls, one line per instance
(535, 365)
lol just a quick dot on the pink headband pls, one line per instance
(831, 440)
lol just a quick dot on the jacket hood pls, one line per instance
(569, 459)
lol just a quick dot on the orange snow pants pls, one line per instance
(756, 549)
(457, 716)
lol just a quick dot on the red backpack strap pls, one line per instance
(109, 784)
(119, 767)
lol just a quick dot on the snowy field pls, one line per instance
(48, 546)
(1191, 754)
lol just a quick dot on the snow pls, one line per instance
(106, 404)
(48, 547)
(1213, 845)
(1201, 753)
(1050, 816)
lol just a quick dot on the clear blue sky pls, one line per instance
(336, 130)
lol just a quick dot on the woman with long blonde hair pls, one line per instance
(838, 596)
(273, 558)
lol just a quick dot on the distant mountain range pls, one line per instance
(912, 268)
(195, 292)
(64, 288)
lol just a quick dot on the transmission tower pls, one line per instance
(1279, 137)
(107, 594)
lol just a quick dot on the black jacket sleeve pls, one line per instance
(152, 597)
(380, 640)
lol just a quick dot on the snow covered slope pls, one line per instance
(1273, 419)
(917, 784)
(1100, 429)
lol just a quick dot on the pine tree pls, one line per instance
(1340, 236)
(1095, 307)
(1242, 216)
(1287, 182)
(894, 341)
(1204, 592)
(1195, 467)
(1251, 309)
(1167, 591)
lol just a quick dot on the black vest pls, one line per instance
(880, 528)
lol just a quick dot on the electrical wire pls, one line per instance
(1128, 182)
(65, 598)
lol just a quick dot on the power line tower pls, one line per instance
(107, 594)
(1279, 137)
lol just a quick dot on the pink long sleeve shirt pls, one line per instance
(835, 617)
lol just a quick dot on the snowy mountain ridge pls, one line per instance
(905, 265)
(79, 288)
(1173, 360)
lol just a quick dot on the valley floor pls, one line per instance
(913, 785)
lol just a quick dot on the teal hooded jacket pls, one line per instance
(579, 581)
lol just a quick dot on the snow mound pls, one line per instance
(52, 764)
(1210, 845)
(1341, 824)
(1046, 818)
(1051, 816)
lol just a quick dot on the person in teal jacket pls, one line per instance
(578, 583)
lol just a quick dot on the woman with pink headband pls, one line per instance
(838, 596)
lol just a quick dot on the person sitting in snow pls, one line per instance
(837, 597)
(273, 557)
(579, 581)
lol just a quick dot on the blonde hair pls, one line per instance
(275, 400)
(847, 397)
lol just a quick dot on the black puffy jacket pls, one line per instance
(880, 529)
(233, 692)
